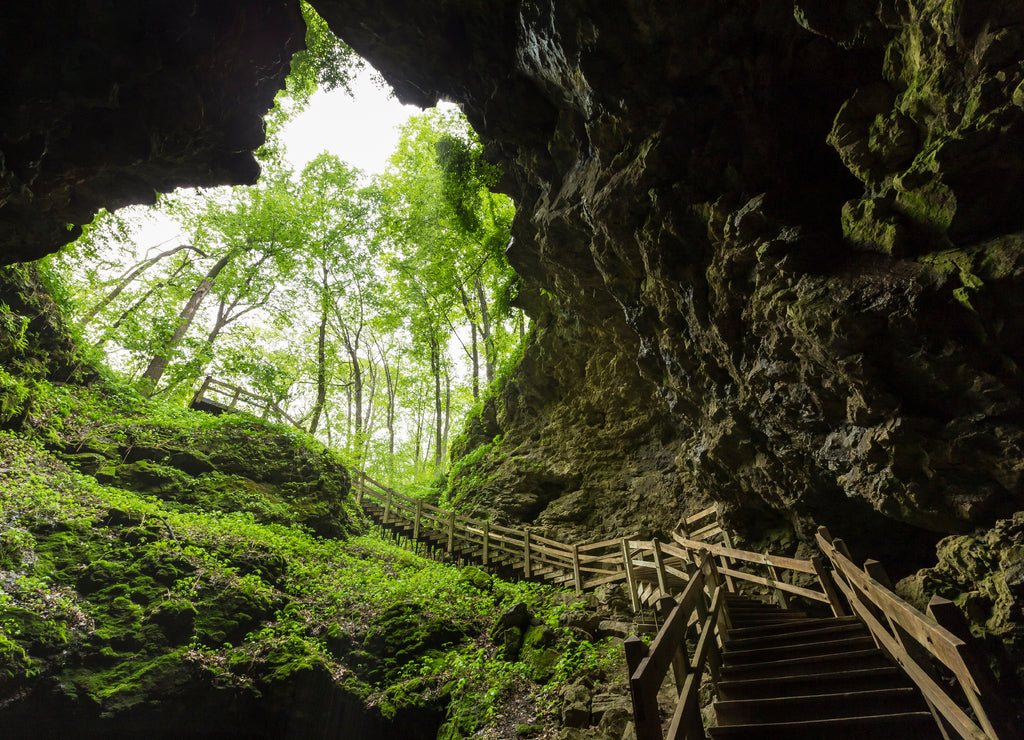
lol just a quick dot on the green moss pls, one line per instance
(959, 263)
(871, 225)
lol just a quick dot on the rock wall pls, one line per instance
(105, 103)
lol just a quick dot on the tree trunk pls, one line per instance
(126, 281)
(435, 369)
(391, 387)
(321, 372)
(475, 353)
(158, 364)
(490, 355)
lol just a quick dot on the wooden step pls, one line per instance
(819, 706)
(910, 726)
(828, 629)
(853, 660)
(888, 676)
(796, 625)
(799, 650)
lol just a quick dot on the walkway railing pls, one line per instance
(933, 650)
(227, 397)
(687, 579)
(930, 648)
(516, 551)
(701, 603)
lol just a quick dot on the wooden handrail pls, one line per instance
(892, 621)
(237, 393)
(696, 567)
(700, 602)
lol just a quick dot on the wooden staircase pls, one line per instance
(785, 675)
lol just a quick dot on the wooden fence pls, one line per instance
(227, 397)
(932, 649)
(505, 549)
(701, 602)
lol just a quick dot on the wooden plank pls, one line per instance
(628, 573)
(592, 583)
(798, 590)
(526, 553)
(701, 514)
(614, 558)
(672, 633)
(994, 715)
(487, 542)
(686, 722)
(605, 543)
(646, 719)
(801, 566)
(706, 532)
(577, 577)
(828, 585)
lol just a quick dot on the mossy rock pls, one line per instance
(476, 577)
(537, 653)
(402, 632)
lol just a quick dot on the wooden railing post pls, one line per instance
(387, 508)
(451, 532)
(994, 718)
(360, 482)
(828, 585)
(646, 720)
(780, 596)
(576, 576)
(627, 563)
(487, 541)
(527, 570)
(706, 597)
(660, 567)
(416, 523)
(201, 394)
(727, 541)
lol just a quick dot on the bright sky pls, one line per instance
(362, 131)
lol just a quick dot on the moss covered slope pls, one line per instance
(168, 573)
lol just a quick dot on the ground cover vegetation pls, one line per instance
(168, 572)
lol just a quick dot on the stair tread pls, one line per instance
(811, 683)
(828, 628)
(788, 665)
(766, 654)
(838, 705)
(744, 632)
(922, 719)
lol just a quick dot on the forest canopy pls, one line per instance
(375, 311)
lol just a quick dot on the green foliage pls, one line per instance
(327, 62)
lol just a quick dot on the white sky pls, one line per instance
(362, 131)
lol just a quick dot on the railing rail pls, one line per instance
(234, 395)
(701, 603)
(917, 641)
(688, 578)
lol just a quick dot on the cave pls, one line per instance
(774, 251)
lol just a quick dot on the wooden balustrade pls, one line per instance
(214, 392)
(701, 604)
(940, 637)
(688, 577)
